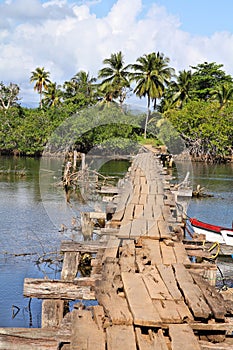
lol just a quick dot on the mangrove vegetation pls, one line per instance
(198, 103)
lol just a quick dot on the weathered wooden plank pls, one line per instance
(155, 285)
(148, 211)
(226, 345)
(182, 337)
(166, 272)
(159, 196)
(70, 266)
(129, 212)
(138, 228)
(167, 310)
(120, 338)
(184, 311)
(111, 248)
(180, 253)
(127, 257)
(168, 255)
(143, 198)
(124, 231)
(135, 198)
(64, 331)
(153, 247)
(138, 211)
(28, 339)
(213, 298)
(157, 212)
(152, 229)
(55, 289)
(213, 326)
(144, 313)
(97, 262)
(151, 341)
(192, 293)
(98, 315)
(167, 214)
(82, 247)
(52, 313)
(115, 306)
(85, 332)
(164, 229)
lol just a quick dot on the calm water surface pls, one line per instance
(32, 210)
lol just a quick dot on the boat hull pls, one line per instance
(212, 233)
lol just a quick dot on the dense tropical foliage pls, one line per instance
(197, 103)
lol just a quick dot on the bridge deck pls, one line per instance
(148, 293)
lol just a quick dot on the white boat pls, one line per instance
(213, 233)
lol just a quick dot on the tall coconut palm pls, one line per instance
(84, 83)
(81, 83)
(53, 95)
(181, 89)
(41, 79)
(151, 74)
(115, 78)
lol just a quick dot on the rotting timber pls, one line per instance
(148, 293)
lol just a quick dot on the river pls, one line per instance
(32, 210)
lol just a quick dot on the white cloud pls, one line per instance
(65, 38)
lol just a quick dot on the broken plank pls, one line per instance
(153, 247)
(155, 285)
(52, 313)
(120, 337)
(167, 310)
(151, 341)
(182, 337)
(212, 296)
(115, 306)
(127, 257)
(85, 332)
(144, 313)
(166, 272)
(192, 293)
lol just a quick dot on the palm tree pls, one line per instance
(224, 93)
(53, 95)
(41, 79)
(81, 83)
(151, 74)
(181, 89)
(115, 78)
(84, 83)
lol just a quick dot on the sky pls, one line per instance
(66, 36)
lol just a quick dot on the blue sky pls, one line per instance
(66, 36)
(198, 17)
(201, 17)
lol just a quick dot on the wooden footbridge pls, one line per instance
(146, 293)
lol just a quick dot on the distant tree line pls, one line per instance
(197, 102)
